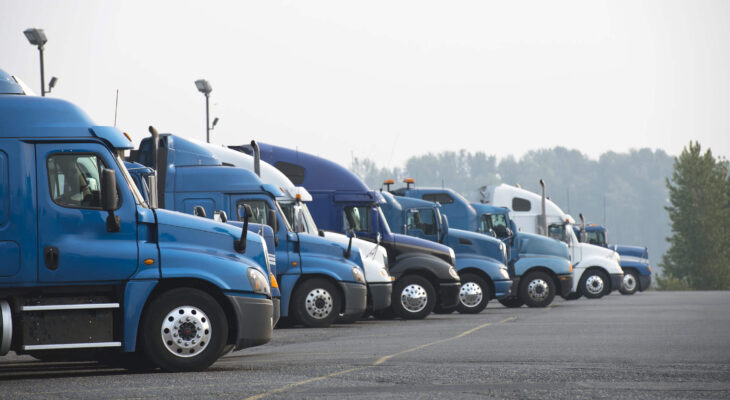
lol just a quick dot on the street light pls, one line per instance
(205, 88)
(36, 37)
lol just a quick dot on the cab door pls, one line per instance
(74, 244)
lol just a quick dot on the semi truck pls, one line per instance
(424, 271)
(87, 267)
(540, 267)
(480, 260)
(634, 259)
(597, 269)
(319, 279)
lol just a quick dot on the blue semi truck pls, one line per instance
(425, 274)
(319, 279)
(634, 259)
(539, 266)
(87, 267)
(480, 260)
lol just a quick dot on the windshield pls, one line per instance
(130, 182)
(306, 222)
(558, 232)
(597, 238)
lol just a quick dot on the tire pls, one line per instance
(316, 303)
(511, 302)
(594, 284)
(537, 289)
(413, 297)
(630, 283)
(474, 294)
(183, 329)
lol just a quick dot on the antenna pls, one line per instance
(116, 106)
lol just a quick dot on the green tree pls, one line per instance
(699, 245)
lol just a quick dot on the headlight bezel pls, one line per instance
(358, 275)
(259, 282)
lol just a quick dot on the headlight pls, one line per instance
(505, 272)
(453, 273)
(357, 274)
(453, 256)
(258, 281)
(504, 252)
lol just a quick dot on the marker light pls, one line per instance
(570, 268)
(274, 283)
(388, 182)
(298, 196)
(409, 180)
(127, 135)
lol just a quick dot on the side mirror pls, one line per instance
(222, 216)
(378, 238)
(348, 252)
(199, 211)
(109, 199)
(274, 224)
(321, 233)
(240, 245)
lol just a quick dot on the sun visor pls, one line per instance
(114, 136)
(273, 189)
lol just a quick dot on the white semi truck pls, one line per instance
(596, 269)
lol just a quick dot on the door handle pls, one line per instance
(50, 256)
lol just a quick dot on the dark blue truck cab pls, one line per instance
(88, 267)
(424, 271)
(480, 259)
(318, 279)
(539, 266)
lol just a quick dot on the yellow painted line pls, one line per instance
(379, 361)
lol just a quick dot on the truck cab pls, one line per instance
(319, 279)
(293, 202)
(634, 259)
(89, 268)
(480, 260)
(537, 277)
(596, 268)
(424, 271)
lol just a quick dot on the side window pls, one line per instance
(484, 223)
(260, 210)
(557, 232)
(441, 198)
(520, 204)
(423, 219)
(499, 224)
(75, 180)
(294, 172)
(357, 219)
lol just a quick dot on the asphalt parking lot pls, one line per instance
(651, 345)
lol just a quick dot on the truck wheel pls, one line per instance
(184, 329)
(473, 295)
(413, 297)
(594, 284)
(630, 283)
(537, 289)
(512, 302)
(316, 303)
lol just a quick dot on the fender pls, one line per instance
(495, 270)
(611, 266)
(557, 265)
(639, 264)
(417, 262)
(136, 294)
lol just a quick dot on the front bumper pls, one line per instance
(502, 289)
(276, 302)
(356, 298)
(644, 282)
(255, 320)
(448, 293)
(616, 281)
(566, 284)
(380, 294)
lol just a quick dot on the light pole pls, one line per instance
(36, 37)
(205, 88)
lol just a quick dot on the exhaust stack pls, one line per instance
(256, 158)
(542, 218)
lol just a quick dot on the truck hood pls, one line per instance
(465, 242)
(426, 246)
(590, 250)
(374, 257)
(632, 251)
(328, 248)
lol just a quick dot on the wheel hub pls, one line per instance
(629, 282)
(470, 294)
(594, 284)
(319, 303)
(414, 298)
(538, 289)
(186, 331)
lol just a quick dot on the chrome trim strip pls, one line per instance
(57, 307)
(71, 346)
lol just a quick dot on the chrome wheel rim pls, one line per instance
(186, 331)
(538, 289)
(470, 294)
(629, 282)
(414, 298)
(594, 284)
(319, 303)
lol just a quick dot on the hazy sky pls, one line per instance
(392, 79)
